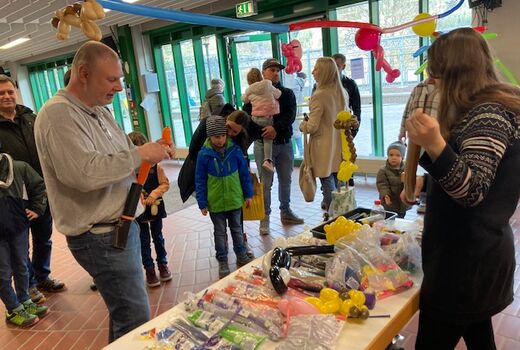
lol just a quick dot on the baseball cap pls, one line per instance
(272, 62)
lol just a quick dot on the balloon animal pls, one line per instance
(293, 54)
(348, 150)
(79, 15)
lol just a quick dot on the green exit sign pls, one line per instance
(246, 9)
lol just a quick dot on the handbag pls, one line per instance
(343, 201)
(186, 178)
(256, 210)
(307, 179)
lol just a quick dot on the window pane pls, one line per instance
(173, 96)
(211, 66)
(302, 83)
(251, 54)
(459, 18)
(358, 68)
(399, 48)
(192, 86)
(125, 111)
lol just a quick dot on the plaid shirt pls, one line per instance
(417, 100)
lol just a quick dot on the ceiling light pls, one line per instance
(14, 43)
(130, 1)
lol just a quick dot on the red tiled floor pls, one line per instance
(78, 317)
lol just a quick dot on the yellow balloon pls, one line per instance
(344, 116)
(426, 28)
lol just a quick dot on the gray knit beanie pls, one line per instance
(398, 145)
(216, 125)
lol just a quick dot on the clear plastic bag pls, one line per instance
(311, 332)
(406, 252)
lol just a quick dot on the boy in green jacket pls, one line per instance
(222, 185)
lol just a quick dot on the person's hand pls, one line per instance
(402, 195)
(171, 149)
(149, 200)
(204, 211)
(31, 215)
(153, 152)
(388, 200)
(424, 130)
(269, 132)
(248, 202)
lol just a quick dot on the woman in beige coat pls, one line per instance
(325, 144)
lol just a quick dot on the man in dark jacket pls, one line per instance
(17, 139)
(283, 154)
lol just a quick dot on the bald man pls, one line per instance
(89, 165)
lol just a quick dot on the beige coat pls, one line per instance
(324, 141)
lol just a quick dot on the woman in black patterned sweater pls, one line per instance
(473, 155)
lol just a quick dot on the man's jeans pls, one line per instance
(40, 264)
(155, 228)
(283, 158)
(118, 276)
(13, 261)
(328, 184)
(220, 223)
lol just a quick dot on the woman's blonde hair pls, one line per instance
(254, 75)
(462, 61)
(328, 77)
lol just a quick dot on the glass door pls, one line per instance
(247, 51)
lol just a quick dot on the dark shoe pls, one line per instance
(36, 296)
(323, 206)
(93, 286)
(34, 309)
(223, 269)
(289, 218)
(51, 285)
(151, 278)
(244, 260)
(164, 273)
(351, 182)
(21, 317)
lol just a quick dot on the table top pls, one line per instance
(374, 333)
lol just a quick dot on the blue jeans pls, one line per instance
(40, 264)
(328, 184)
(283, 158)
(13, 262)
(118, 277)
(155, 228)
(220, 222)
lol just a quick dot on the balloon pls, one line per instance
(421, 68)
(420, 51)
(489, 35)
(407, 25)
(193, 18)
(450, 11)
(367, 39)
(333, 24)
(293, 54)
(506, 72)
(424, 29)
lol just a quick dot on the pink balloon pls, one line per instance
(293, 53)
(296, 306)
(367, 39)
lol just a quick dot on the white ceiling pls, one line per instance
(31, 18)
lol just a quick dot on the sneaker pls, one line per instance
(20, 317)
(289, 218)
(223, 269)
(264, 226)
(151, 278)
(51, 285)
(164, 273)
(34, 309)
(268, 165)
(244, 260)
(36, 296)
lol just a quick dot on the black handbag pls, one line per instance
(186, 179)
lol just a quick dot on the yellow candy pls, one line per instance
(331, 306)
(314, 301)
(357, 297)
(345, 307)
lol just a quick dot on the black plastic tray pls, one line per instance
(319, 231)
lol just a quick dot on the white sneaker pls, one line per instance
(268, 165)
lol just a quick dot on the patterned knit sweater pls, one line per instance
(468, 248)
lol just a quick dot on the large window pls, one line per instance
(358, 68)
(211, 66)
(192, 85)
(173, 96)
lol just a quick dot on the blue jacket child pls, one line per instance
(222, 185)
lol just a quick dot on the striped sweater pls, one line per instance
(468, 248)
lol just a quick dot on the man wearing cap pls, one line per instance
(283, 156)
